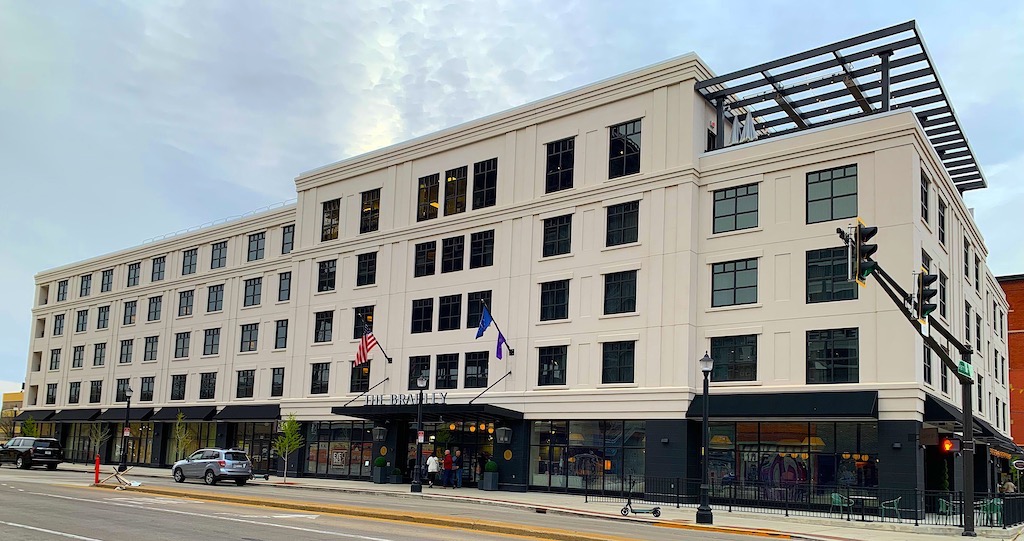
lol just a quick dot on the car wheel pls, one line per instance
(21, 463)
(240, 482)
(51, 467)
(179, 476)
(210, 478)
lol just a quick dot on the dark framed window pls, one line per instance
(58, 324)
(85, 285)
(426, 255)
(182, 342)
(427, 206)
(827, 276)
(320, 378)
(327, 275)
(366, 269)
(81, 320)
(977, 332)
(277, 382)
(554, 300)
(178, 386)
(95, 391)
(926, 260)
(121, 390)
(102, 317)
(359, 382)
(362, 316)
(422, 315)
(211, 341)
(185, 299)
(146, 391)
(287, 239)
(832, 356)
(552, 365)
(250, 337)
(218, 254)
(624, 149)
(215, 298)
(943, 280)
(127, 347)
(977, 274)
(481, 249)
(447, 371)
(927, 364)
(284, 286)
(734, 282)
(475, 307)
(323, 326)
(967, 259)
(925, 192)
(151, 347)
(106, 280)
(78, 357)
(369, 215)
(620, 292)
(735, 208)
(134, 269)
(189, 261)
(51, 393)
(455, 190)
(246, 382)
(155, 307)
(967, 323)
(55, 359)
(419, 366)
(449, 312)
(62, 290)
(735, 358)
(207, 385)
(159, 266)
(331, 220)
(942, 221)
(74, 391)
(617, 362)
(99, 354)
(281, 334)
(476, 370)
(253, 292)
(485, 183)
(560, 163)
(623, 223)
(832, 194)
(453, 250)
(257, 245)
(557, 235)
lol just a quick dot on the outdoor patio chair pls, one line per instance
(992, 511)
(947, 507)
(891, 505)
(840, 501)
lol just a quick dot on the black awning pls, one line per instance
(840, 404)
(253, 412)
(36, 415)
(431, 412)
(117, 414)
(940, 411)
(192, 413)
(76, 415)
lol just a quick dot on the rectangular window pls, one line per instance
(475, 307)
(207, 385)
(250, 337)
(827, 275)
(476, 370)
(927, 365)
(280, 334)
(134, 269)
(121, 390)
(925, 192)
(58, 325)
(218, 254)
(967, 260)
(422, 315)
(185, 301)
(735, 208)
(942, 221)
(734, 283)
(107, 280)
(981, 394)
(944, 378)
(146, 392)
(159, 264)
(557, 235)
(449, 312)
(211, 341)
(127, 349)
(552, 365)
(366, 269)
(554, 300)
(327, 275)
(331, 220)
(967, 323)
(620, 292)
(155, 307)
(178, 387)
(99, 354)
(246, 381)
(102, 317)
(942, 293)
(735, 358)
(321, 376)
(427, 207)
(95, 391)
(324, 326)
(419, 366)
(55, 359)
(977, 274)
(81, 321)
(560, 165)
(455, 190)
(369, 215)
(359, 382)
(977, 332)
(452, 252)
(287, 239)
(624, 149)
(74, 390)
(832, 194)
(623, 223)
(832, 356)
(617, 362)
(485, 183)
(51, 393)
(253, 292)
(362, 321)
(85, 285)
(150, 348)
(284, 286)
(481, 249)
(78, 357)
(62, 290)
(189, 261)
(277, 382)
(257, 242)
(182, 341)
(426, 254)
(447, 371)
(926, 260)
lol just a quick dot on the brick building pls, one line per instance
(1013, 286)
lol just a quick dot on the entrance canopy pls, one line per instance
(432, 413)
(117, 414)
(254, 412)
(942, 413)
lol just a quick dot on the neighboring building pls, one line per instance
(617, 236)
(9, 409)
(1013, 287)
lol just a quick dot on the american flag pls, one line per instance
(366, 344)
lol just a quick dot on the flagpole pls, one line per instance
(366, 391)
(365, 328)
(492, 385)
(495, 323)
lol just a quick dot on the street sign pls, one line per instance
(1019, 464)
(965, 369)
(127, 432)
(419, 436)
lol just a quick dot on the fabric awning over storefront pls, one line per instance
(253, 412)
(839, 405)
(940, 411)
(36, 415)
(76, 415)
(117, 414)
(191, 413)
(432, 413)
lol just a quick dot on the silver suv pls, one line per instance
(213, 465)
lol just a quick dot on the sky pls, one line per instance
(122, 121)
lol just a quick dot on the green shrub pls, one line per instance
(491, 466)
(396, 471)
(380, 462)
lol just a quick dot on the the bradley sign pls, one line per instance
(409, 399)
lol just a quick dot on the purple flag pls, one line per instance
(501, 342)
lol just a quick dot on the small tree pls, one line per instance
(289, 440)
(98, 435)
(7, 426)
(182, 435)
(29, 428)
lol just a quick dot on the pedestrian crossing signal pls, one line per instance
(950, 445)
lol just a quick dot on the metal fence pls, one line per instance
(840, 502)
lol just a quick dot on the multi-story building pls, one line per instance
(616, 233)
(1013, 288)
(9, 410)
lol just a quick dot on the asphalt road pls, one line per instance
(41, 505)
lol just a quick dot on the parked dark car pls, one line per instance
(27, 452)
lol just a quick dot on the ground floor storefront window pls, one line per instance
(256, 439)
(182, 440)
(78, 440)
(475, 440)
(140, 443)
(604, 455)
(339, 449)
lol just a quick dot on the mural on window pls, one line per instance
(598, 455)
(339, 449)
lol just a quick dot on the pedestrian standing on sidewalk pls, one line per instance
(457, 468)
(447, 477)
(433, 466)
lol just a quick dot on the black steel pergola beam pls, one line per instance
(851, 84)
(942, 129)
(954, 155)
(783, 101)
(956, 163)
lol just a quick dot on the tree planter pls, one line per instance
(396, 478)
(489, 481)
(380, 476)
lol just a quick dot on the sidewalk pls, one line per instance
(811, 528)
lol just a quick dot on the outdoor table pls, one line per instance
(862, 503)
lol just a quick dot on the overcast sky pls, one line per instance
(122, 121)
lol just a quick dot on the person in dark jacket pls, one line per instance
(457, 469)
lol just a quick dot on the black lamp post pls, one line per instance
(417, 480)
(704, 515)
(124, 430)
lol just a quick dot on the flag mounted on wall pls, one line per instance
(485, 321)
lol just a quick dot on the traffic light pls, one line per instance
(863, 266)
(949, 445)
(925, 292)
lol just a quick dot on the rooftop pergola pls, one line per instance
(884, 70)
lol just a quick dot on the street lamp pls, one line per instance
(704, 515)
(417, 480)
(125, 431)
